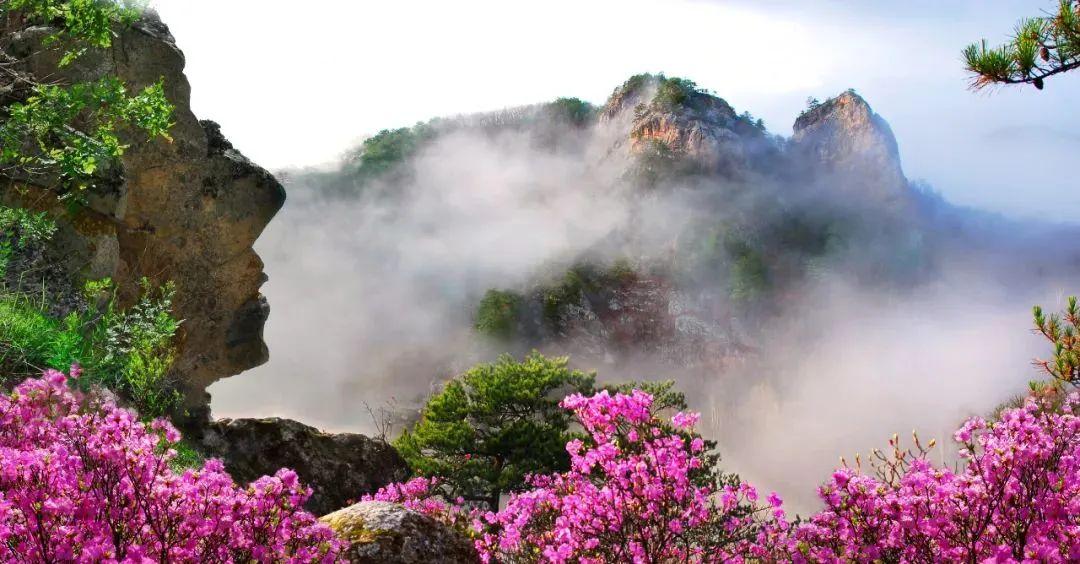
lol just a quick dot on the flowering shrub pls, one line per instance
(83, 479)
(1016, 497)
(639, 490)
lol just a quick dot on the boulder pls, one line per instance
(379, 532)
(339, 468)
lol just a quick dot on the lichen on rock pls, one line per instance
(380, 532)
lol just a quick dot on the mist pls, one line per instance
(373, 297)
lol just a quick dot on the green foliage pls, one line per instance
(30, 340)
(385, 151)
(20, 228)
(666, 397)
(135, 349)
(634, 84)
(749, 118)
(1039, 48)
(128, 351)
(749, 274)
(498, 313)
(566, 292)
(572, 110)
(64, 134)
(38, 138)
(675, 92)
(187, 456)
(581, 279)
(671, 93)
(86, 23)
(491, 426)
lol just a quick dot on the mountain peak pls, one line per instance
(844, 137)
(674, 116)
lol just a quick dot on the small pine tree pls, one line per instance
(1064, 332)
(493, 425)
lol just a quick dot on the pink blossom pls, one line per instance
(81, 479)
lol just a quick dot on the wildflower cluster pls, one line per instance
(81, 479)
(1015, 498)
(634, 493)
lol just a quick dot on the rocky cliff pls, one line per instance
(843, 141)
(186, 210)
(672, 116)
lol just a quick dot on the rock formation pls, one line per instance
(844, 141)
(186, 209)
(338, 467)
(387, 533)
(672, 116)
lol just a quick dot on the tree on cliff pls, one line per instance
(55, 134)
(1040, 47)
(493, 425)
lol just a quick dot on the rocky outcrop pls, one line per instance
(186, 209)
(672, 117)
(339, 468)
(386, 533)
(844, 141)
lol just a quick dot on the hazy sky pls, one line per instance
(298, 83)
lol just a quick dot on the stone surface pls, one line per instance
(339, 468)
(387, 533)
(186, 209)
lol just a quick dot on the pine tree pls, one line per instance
(1039, 48)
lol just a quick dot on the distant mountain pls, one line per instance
(721, 227)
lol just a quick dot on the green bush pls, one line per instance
(187, 456)
(675, 92)
(385, 151)
(572, 110)
(634, 84)
(132, 349)
(19, 229)
(749, 273)
(498, 313)
(493, 425)
(127, 351)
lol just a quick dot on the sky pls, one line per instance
(297, 84)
